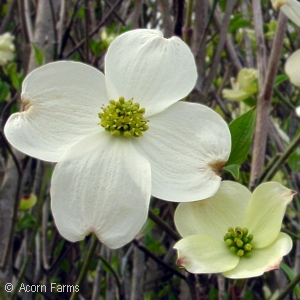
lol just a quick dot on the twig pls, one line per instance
(114, 13)
(157, 259)
(289, 288)
(281, 159)
(28, 20)
(266, 81)
(164, 225)
(199, 40)
(92, 32)
(60, 25)
(188, 22)
(30, 248)
(192, 284)
(166, 18)
(230, 49)
(8, 16)
(179, 16)
(248, 46)
(220, 46)
(86, 264)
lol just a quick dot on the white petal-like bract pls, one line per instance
(187, 146)
(203, 254)
(62, 101)
(291, 8)
(154, 71)
(212, 216)
(265, 212)
(101, 185)
(262, 260)
(292, 68)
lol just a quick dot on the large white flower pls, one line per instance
(111, 159)
(291, 8)
(234, 232)
(7, 48)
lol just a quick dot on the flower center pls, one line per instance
(123, 118)
(238, 241)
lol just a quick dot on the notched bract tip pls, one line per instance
(26, 104)
(217, 166)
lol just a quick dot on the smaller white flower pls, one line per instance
(297, 110)
(292, 68)
(234, 232)
(291, 8)
(7, 48)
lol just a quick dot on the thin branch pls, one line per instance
(92, 32)
(179, 16)
(164, 225)
(28, 20)
(8, 16)
(86, 264)
(157, 259)
(281, 159)
(166, 18)
(289, 288)
(114, 13)
(248, 46)
(220, 46)
(266, 81)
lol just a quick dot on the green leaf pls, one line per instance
(39, 55)
(238, 22)
(97, 47)
(279, 79)
(242, 130)
(4, 90)
(233, 169)
(250, 102)
(291, 275)
(28, 221)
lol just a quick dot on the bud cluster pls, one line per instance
(238, 241)
(123, 118)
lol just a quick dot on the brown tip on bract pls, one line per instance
(179, 262)
(217, 166)
(26, 105)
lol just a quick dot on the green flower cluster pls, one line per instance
(123, 118)
(239, 241)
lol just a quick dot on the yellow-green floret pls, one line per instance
(238, 241)
(123, 118)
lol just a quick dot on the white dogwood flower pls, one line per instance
(7, 48)
(121, 137)
(234, 232)
(291, 8)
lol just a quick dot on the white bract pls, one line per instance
(113, 154)
(234, 232)
(7, 48)
(292, 68)
(291, 8)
